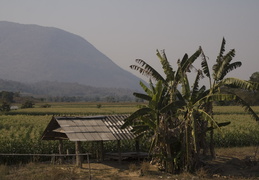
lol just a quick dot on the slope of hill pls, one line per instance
(47, 89)
(32, 53)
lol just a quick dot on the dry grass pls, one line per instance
(228, 165)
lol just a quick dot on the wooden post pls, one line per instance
(60, 150)
(78, 157)
(137, 149)
(119, 150)
(102, 151)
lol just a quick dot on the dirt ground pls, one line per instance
(231, 163)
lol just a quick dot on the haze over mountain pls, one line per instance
(32, 53)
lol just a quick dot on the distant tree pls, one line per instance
(110, 99)
(7, 96)
(45, 106)
(27, 104)
(255, 77)
(5, 107)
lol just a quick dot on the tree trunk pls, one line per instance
(212, 148)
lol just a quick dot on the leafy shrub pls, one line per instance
(27, 104)
(45, 106)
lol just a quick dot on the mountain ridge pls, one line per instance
(33, 53)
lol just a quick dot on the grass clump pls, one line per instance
(133, 167)
(4, 170)
(145, 168)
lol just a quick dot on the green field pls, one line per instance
(21, 130)
(79, 109)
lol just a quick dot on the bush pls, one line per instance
(45, 106)
(27, 104)
(5, 107)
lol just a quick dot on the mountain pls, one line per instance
(70, 91)
(32, 53)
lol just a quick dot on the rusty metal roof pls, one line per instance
(90, 128)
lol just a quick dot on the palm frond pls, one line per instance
(229, 68)
(145, 88)
(185, 86)
(205, 116)
(255, 85)
(201, 93)
(205, 66)
(147, 120)
(140, 112)
(219, 125)
(186, 64)
(168, 70)
(225, 62)
(222, 49)
(247, 108)
(147, 70)
(184, 59)
(158, 92)
(219, 60)
(195, 88)
(142, 96)
(216, 98)
(246, 85)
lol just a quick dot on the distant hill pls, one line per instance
(46, 89)
(32, 53)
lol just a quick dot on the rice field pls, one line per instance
(21, 130)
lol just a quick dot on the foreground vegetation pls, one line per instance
(22, 131)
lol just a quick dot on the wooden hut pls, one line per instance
(89, 128)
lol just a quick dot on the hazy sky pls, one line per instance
(128, 29)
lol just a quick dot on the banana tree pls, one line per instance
(162, 123)
(218, 79)
(151, 121)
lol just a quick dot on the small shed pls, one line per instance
(89, 128)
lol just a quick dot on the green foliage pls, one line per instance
(27, 104)
(22, 133)
(5, 107)
(255, 77)
(192, 117)
(45, 106)
(7, 97)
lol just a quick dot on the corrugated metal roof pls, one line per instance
(90, 128)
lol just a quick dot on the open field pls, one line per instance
(21, 130)
(79, 109)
